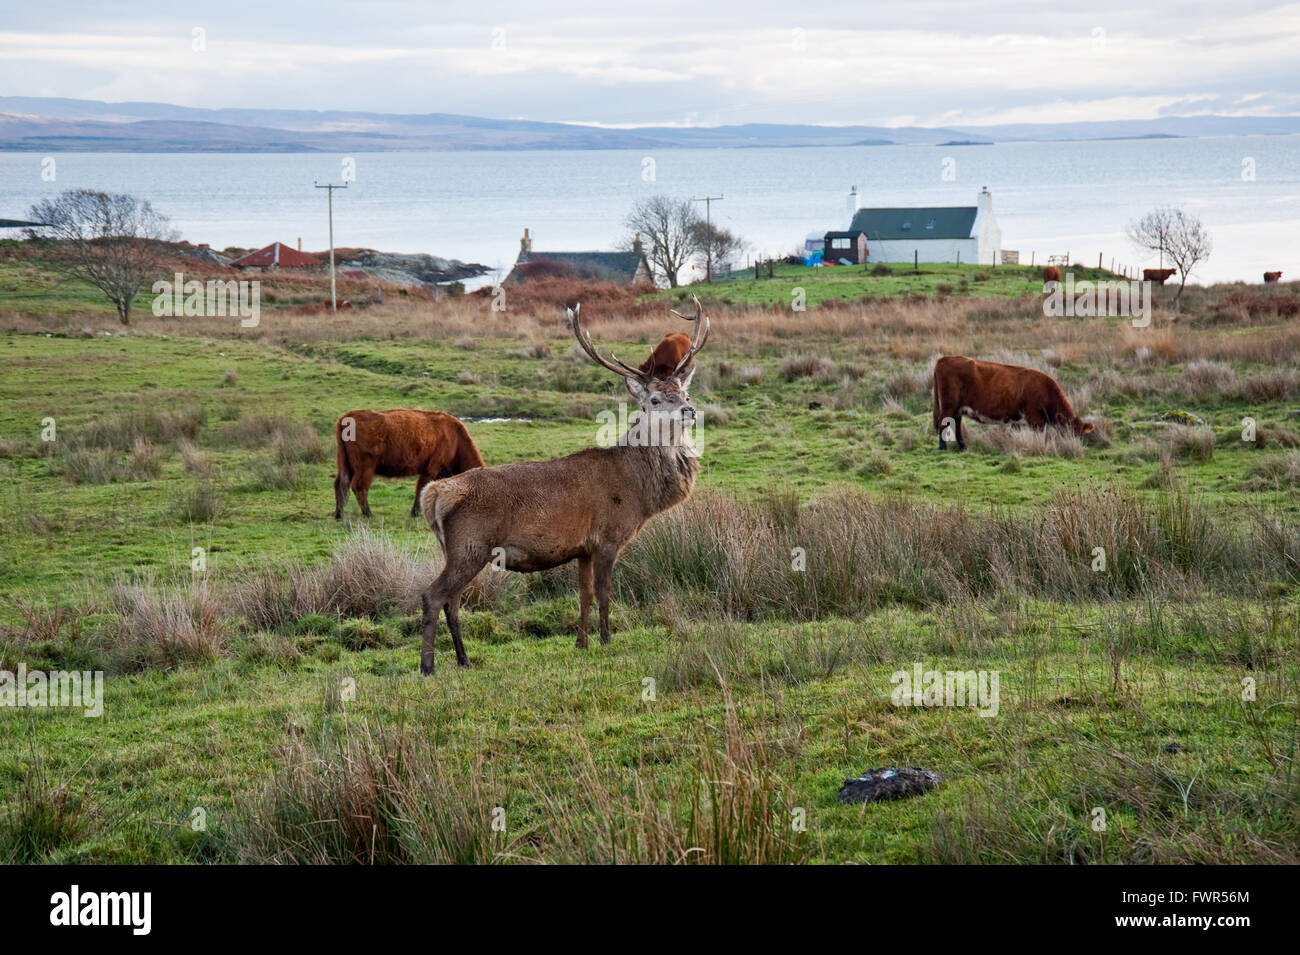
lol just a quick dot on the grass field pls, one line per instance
(850, 283)
(274, 694)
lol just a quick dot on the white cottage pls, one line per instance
(930, 233)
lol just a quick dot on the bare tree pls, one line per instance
(1176, 234)
(111, 240)
(716, 244)
(667, 230)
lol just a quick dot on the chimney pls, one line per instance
(525, 244)
(853, 200)
(299, 243)
(636, 244)
(985, 202)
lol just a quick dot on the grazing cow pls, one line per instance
(1051, 274)
(988, 391)
(1272, 276)
(1159, 276)
(400, 442)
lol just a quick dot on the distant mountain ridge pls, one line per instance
(40, 123)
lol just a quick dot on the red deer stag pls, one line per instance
(400, 442)
(587, 507)
(989, 391)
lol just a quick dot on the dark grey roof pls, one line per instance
(936, 222)
(610, 266)
(850, 234)
(16, 223)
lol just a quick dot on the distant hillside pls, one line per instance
(38, 124)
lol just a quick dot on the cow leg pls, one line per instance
(361, 488)
(446, 588)
(586, 586)
(956, 426)
(419, 487)
(604, 575)
(341, 482)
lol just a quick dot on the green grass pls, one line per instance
(1092, 691)
(851, 283)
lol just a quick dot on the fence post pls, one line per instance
(916, 260)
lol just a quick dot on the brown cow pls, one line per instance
(988, 391)
(1051, 274)
(1159, 276)
(398, 443)
(663, 361)
(1272, 276)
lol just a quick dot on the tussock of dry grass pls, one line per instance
(1010, 439)
(377, 797)
(166, 626)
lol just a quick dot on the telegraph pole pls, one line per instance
(708, 234)
(334, 298)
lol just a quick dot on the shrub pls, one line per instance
(200, 504)
(1191, 442)
(818, 367)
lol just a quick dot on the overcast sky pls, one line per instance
(641, 63)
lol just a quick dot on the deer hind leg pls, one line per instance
(604, 574)
(586, 587)
(453, 624)
(445, 592)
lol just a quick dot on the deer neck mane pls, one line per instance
(664, 475)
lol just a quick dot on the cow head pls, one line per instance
(1073, 423)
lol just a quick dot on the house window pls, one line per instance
(930, 224)
(839, 243)
(907, 225)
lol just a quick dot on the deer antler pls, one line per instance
(697, 340)
(584, 339)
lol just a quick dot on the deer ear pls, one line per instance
(684, 379)
(636, 389)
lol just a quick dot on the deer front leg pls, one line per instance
(586, 586)
(604, 574)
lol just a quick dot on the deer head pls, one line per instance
(664, 402)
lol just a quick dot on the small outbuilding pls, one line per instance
(850, 246)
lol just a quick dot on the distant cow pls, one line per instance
(1051, 274)
(400, 442)
(668, 353)
(1272, 276)
(1159, 276)
(989, 391)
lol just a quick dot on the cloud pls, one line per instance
(944, 64)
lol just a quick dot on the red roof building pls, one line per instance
(276, 255)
